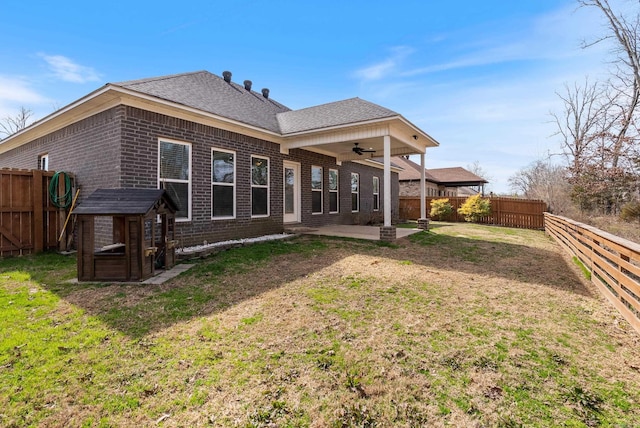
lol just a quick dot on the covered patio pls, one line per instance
(358, 131)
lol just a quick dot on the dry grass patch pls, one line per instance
(464, 325)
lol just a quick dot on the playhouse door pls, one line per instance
(291, 203)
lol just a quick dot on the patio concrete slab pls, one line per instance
(168, 274)
(371, 233)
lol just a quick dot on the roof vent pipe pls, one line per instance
(247, 85)
(265, 92)
(227, 76)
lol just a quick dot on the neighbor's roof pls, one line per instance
(207, 92)
(123, 202)
(411, 170)
(456, 176)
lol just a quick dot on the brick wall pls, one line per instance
(141, 133)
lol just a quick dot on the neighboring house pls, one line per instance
(237, 163)
(455, 181)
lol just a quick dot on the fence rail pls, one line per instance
(614, 262)
(29, 222)
(510, 212)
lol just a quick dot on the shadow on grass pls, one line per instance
(231, 277)
(528, 264)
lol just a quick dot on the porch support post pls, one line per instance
(387, 232)
(387, 181)
(423, 193)
(423, 221)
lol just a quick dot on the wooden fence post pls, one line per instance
(38, 211)
(62, 244)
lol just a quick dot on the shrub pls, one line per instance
(440, 209)
(630, 211)
(474, 208)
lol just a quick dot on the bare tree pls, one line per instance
(581, 118)
(9, 125)
(546, 181)
(625, 34)
(599, 124)
(482, 173)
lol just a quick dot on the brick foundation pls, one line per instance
(423, 223)
(388, 234)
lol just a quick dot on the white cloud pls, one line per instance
(67, 70)
(385, 67)
(16, 92)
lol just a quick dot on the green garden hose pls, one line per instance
(63, 201)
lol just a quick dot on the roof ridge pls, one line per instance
(374, 104)
(158, 78)
(321, 105)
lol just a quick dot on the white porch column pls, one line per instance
(387, 181)
(423, 193)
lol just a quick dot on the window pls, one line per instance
(376, 193)
(174, 175)
(43, 162)
(355, 192)
(223, 184)
(333, 191)
(316, 190)
(259, 186)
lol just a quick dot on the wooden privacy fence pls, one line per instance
(614, 262)
(29, 222)
(510, 212)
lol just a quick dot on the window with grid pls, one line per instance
(376, 193)
(355, 192)
(174, 175)
(223, 184)
(259, 186)
(333, 191)
(316, 190)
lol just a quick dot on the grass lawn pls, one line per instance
(464, 325)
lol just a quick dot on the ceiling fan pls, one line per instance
(360, 150)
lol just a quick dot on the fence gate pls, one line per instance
(29, 222)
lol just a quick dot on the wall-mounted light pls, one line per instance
(415, 137)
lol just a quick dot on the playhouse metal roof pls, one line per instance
(124, 202)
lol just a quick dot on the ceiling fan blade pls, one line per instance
(359, 150)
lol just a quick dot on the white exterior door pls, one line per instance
(291, 178)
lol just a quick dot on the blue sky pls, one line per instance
(479, 76)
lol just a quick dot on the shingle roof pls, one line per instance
(455, 176)
(206, 91)
(123, 201)
(350, 111)
(411, 170)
